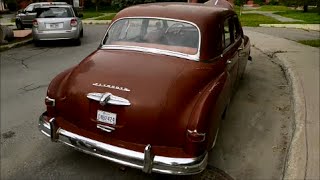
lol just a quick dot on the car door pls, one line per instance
(243, 50)
(30, 14)
(230, 51)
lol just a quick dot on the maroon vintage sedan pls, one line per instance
(152, 96)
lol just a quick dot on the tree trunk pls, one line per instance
(305, 8)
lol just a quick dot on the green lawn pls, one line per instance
(309, 17)
(255, 19)
(90, 14)
(314, 43)
(273, 8)
(108, 17)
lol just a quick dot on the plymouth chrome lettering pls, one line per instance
(111, 86)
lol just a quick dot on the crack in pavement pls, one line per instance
(26, 89)
(22, 60)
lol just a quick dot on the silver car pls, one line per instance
(57, 22)
(25, 16)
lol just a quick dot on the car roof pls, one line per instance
(55, 6)
(193, 12)
(206, 16)
(50, 3)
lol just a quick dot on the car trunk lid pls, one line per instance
(51, 24)
(141, 79)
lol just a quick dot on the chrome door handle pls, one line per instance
(229, 61)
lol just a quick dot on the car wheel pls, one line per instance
(81, 33)
(19, 25)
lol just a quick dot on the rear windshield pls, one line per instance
(163, 34)
(54, 12)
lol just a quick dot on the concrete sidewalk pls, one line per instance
(301, 66)
(271, 14)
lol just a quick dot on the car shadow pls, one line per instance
(56, 43)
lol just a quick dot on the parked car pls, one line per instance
(25, 16)
(153, 94)
(58, 22)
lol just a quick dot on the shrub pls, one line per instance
(121, 4)
(260, 2)
(12, 5)
(274, 2)
(239, 2)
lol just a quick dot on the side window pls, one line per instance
(237, 27)
(36, 6)
(29, 8)
(227, 33)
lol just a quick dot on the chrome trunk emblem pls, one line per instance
(111, 86)
(108, 98)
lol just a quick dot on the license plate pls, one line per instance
(54, 26)
(106, 117)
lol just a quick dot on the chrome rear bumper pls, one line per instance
(146, 161)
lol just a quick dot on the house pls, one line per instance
(2, 6)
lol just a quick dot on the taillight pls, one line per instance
(195, 143)
(50, 101)
(73, 22)
(194, 136)
(35, 23)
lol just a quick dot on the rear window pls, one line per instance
(54, 12)
(163, 34)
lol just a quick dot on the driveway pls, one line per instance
(252, 143)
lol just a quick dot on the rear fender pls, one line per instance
(206, 114)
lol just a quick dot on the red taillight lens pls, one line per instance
(195, 143)
(35, 23)
(73, 22)
(194, 136)
(50, 101)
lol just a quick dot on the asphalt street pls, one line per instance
(252, 142)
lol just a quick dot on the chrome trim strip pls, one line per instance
(108, 98)
(134, 159)
(105, 128)
(195, 57)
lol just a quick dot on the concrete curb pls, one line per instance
(308, 27)
(296, 160)
(96, 22)
(8, 24)
(17, 44)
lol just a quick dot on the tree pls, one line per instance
(121, 4)
(304, 3)
(240, 3)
